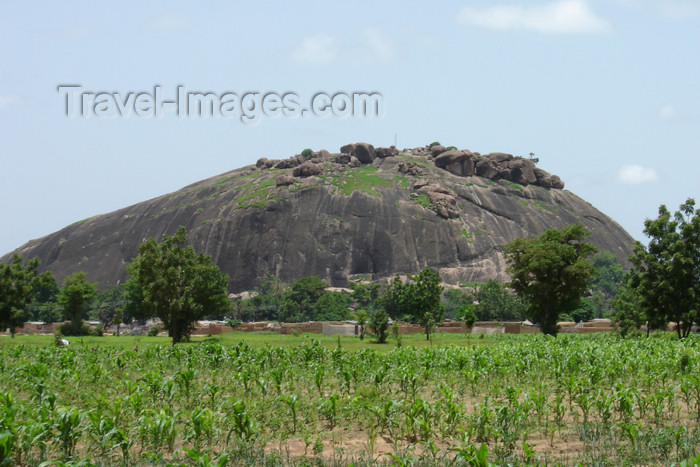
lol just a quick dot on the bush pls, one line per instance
(306, 153)
(434, 143)
(233, 323)
(379, 322)
(97, 331)
(154, 330)
(74, 329)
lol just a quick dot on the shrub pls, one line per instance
(74, 329)
(306, 153)
(233, 323)
(434, 143)
(154, 330)
(379, 322)
(97, 331)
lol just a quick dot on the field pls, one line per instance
(313, 400)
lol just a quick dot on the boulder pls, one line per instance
(321, 155)
(420, 184)
(348, 149)
(287, 163)
(262, 162)
(557, 183)
(307, 169)
(410, 168)
(284, 179)
(437, 150)
(386, 152)
(486, 168)
(458, 162)
(522, 171)
(343, 159)
(499, 156)
(544, 179)
(354, 162)
(364, 152)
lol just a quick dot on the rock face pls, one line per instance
(362, 212)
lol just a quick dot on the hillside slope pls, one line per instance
(363, 212)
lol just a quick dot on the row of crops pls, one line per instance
(527, 400)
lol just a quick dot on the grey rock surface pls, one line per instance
(339, 218)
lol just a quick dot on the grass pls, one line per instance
(269, 399)
(256, 340)
(422, 200)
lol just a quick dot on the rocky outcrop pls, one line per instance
(366, 211)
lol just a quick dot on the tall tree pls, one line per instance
(300, 300)
(176, 284)
(666, 274)
(550, 272)
(419, 299)
(74, 297)
(18, 284)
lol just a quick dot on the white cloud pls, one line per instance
(6, 100)
(558, 17)
(635, 174)
(320, 49)
(668, 112)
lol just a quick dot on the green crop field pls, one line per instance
(266, 399)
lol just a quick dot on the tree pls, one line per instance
(18, 284)
(379, 322)
(117, 319)
(361, 317)
(496, 303)
(266, 304)
(666, 274)
(176, 284)
(455, 301)
(331, 306)
(365, 295)
(627, 313)
(300, 300)
(550, 272)
(468, 316)
(74, 297)
(418, 299)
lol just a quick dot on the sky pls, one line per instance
(606, 93)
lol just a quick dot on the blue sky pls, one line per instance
(605, 92)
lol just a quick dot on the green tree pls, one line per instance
(468, 316)
(418, 299)
(44, 306)
(496, 303)
(455, 300)
(379, 322)
(117, 319)
(266, 304)
(627, 313)
(74, 297)
(550, 272)
(666, 273)
(365, 295)
(331, 306)
(18, 285)
(106, 302)
(300, 300)
(361, 316)
(176, 284)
